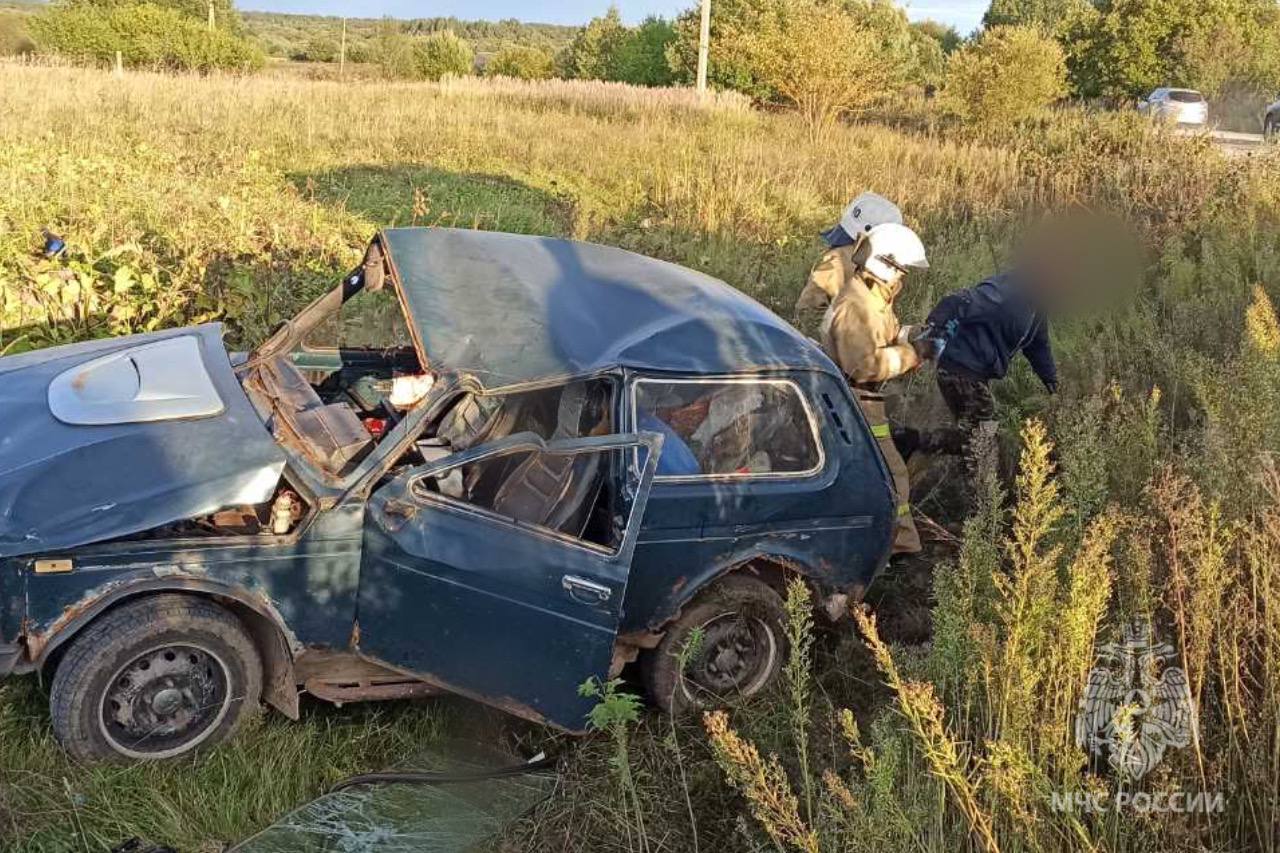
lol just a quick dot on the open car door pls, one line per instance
(499, 573)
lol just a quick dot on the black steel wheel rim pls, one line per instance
(165, 701)
(735, 656)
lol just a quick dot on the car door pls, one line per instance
(484, 602)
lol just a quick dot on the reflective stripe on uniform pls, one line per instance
(904, 509)
(881, 431)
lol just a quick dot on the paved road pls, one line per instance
(1240, 144)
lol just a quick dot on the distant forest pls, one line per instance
(296, 36)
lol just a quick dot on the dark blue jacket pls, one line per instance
(987, 325)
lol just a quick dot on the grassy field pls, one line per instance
(184, 198)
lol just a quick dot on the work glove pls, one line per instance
(1051, 387)
(928, 348)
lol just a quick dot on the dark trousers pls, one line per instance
(974, 408)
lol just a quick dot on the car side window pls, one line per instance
(571, 494)
(728, 428)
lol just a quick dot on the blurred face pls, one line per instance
(1079, 263)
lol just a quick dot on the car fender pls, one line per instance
(773, 559)
(263, 621)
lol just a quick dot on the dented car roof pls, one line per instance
(509, 309)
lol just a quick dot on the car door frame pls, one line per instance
(435, 568)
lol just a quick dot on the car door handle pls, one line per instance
(585, 591)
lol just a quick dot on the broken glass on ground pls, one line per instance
(448, 816)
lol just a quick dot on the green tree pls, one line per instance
(224, 14)
(947, 37)
(442, 54)
(818, 57)
(641, 56)
(1122, 49)
(1008, 75)
(748, 35)
(592, 55)
(145, 35)
(1045, 13)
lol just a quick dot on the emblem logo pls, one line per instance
(1137, 705)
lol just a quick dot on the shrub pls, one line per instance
(817, 57)
(14, 40)
(144, 35)
(1005, 77)
(641, 58)
(442, 54)
(321, 47)
(522, 63)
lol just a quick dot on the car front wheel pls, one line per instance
(1271, 127)
(730, 642)
(153, 679)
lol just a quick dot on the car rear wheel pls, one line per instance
(153, 679)
(741, 646)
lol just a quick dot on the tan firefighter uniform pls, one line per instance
(862, 335)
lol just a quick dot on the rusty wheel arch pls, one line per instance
(261, 622)
(773, 570)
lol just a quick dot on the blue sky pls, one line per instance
(964, 14)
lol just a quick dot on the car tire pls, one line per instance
(1271, 128)
(743, 648)
(154, 679)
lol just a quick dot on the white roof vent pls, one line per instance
(161, 381)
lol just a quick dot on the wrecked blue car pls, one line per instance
(483, 464)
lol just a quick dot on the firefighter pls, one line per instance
(862, 274)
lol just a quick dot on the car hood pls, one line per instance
(109, 438)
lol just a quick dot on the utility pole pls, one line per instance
(211, 21)
(342, 51)
(704, 45)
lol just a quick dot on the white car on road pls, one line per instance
(1181, 106)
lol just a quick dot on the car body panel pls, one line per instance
(502, 601)
(509, 309)
(835, 527)
(64, 485)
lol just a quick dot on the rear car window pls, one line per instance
(1184, 97)
(728, 428)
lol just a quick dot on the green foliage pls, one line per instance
(1008, 75)
(522, 63)
(947, 37)
(1125, 48)
(145, 35)
(442, 54)
(641, 58)
(825, 57)
(607, 49)
(1042, 13)
(593, 52)
(222, 12)
(288, 35)
(320, 47)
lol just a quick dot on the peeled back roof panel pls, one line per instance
(508, 309)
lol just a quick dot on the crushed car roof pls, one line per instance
(509, 309)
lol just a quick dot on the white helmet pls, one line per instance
(894, 249)
(866, 212)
